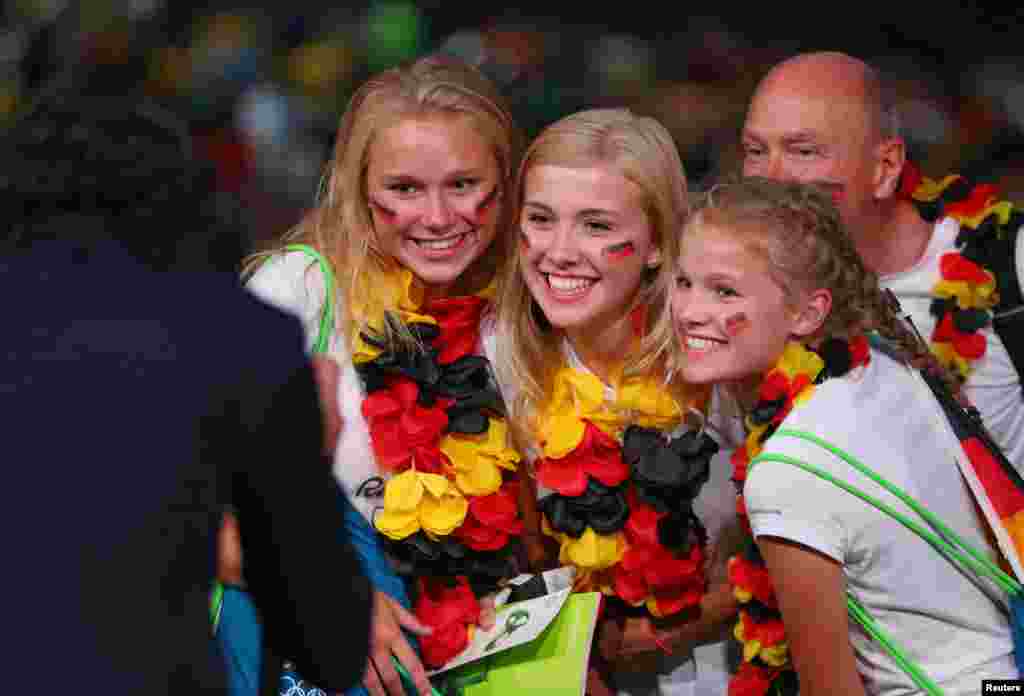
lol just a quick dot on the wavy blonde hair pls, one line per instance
(640, 150)
(797, 230)
(341, 226)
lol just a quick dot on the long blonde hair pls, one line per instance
(640, 150)
(796, 228)
(341, 225)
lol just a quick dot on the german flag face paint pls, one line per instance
(736, 324)
(620, 251)
(486, 207)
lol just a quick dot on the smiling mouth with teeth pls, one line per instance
(441, 244)
(698, 343)
(573, 285)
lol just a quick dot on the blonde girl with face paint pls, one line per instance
(392, 274)
(621, 473)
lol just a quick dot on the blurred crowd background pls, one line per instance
(262, 87)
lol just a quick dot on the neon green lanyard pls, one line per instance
(320, 346)
(965, 554)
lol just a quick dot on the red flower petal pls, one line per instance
(629, 586)
(405, 390)
(665, 571)
(636, 557)
(439, 604)
(980, 197)
(910, 179)
(970, 345)
(431, 460)
(498, 509)
(750, 680)
(458, 318)
(603, 458)
(678, 598)
(391, 453)
(860, 350)
(642, 525)
(564, 476)
(752, 578)
(480, 537)
(955, 266)
(740, 459)
(443, 644)
(380, 404)
(944, 330)
(775, 386)
(423, 426)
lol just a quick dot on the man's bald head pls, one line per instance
(837, 75)
(827, 118)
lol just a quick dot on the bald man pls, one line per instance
(827, 118)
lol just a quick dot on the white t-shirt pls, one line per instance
(954, 627)
(993, 385)
(705, 671)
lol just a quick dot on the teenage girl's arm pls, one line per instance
(811, 590)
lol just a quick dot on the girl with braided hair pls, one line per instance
(773, 306)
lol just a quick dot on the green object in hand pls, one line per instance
(517, 618)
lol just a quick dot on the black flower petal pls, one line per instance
(680, 530)
(970, 320)
(602, 508)
(666, 474)
(764, 411)
(419, 555)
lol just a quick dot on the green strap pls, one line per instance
(867, 622)
(323, 336)
(856, 610)
(981, 563)
(216, 604)
(974, 559)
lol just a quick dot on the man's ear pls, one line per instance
(890, 156)
(812, 313)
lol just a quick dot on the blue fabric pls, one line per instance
(240, 637)
(1017, 626)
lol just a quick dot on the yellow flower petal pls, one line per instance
(435, 484)
(737, 631)
(397, 525)
(948, 356)
(403, 492)
(561, 435)
(1002, 210)
(482, 479)
(475, 472)
(592, 550)
(443, 515)
(929, 189)
(776, 656)
(741, 595)
(651, 405)
(796, 359)
(363, 352)
(751, 649)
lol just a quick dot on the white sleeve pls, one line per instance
(787, 502)
(293, 283)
